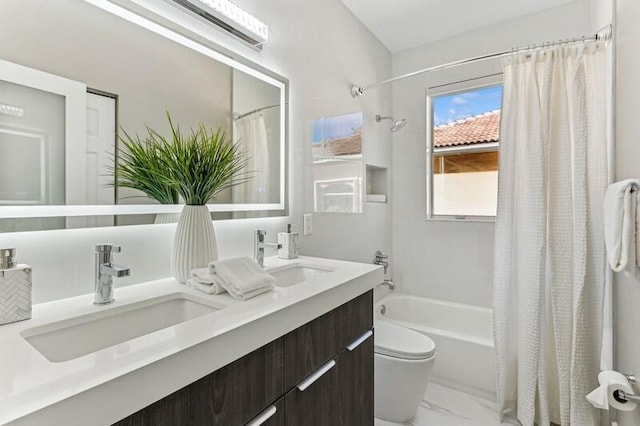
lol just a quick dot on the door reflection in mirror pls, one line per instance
(32, 146)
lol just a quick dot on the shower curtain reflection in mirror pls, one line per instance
(251, 132)
(256, 127)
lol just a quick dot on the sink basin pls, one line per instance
(72, 338)
(287, 276)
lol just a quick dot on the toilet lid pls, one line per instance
(401, 342)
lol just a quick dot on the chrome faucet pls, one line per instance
(389, 283)
(105, 271)
(380, 259)
(259, 245)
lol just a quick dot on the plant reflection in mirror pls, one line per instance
(195, 166)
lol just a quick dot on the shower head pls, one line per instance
(397, 124)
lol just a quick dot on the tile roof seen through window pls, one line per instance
(349, 145)
(482, 128)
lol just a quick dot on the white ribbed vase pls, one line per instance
(195, 242)
(162, 218)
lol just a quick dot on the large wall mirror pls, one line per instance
(74, 78)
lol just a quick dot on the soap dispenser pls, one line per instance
(15, 288)
(288, 242)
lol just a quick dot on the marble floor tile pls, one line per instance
(442, 406)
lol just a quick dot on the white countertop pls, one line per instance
(110, 384)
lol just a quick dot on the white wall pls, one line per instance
(600, 13)
(452, 260)
(627, 290)
(321, 47)
(470, 193)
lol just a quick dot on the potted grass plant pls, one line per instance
(200, 165)
(195, 166)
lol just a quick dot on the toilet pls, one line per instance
(404, 360)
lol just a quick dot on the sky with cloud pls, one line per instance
(449, 108)
(327, 128)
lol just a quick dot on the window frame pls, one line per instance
(450, 89)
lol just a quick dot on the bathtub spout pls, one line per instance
(389, 283)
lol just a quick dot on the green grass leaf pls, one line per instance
(196, 166)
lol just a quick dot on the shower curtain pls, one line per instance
(550, 260)
(251, 131)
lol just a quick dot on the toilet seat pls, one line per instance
(400, 342)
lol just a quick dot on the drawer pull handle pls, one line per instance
(263, 417)
(360, 340)
(316, 375)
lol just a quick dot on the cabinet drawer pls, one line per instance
(355, 392)
(315, 343)
(232, 395)
(316, 405)
(341, 395)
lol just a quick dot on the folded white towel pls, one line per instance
(620, 204)
(253, 293)
(206, 288)
(242, 277)
(208, 280)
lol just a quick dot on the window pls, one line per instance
(463, 129)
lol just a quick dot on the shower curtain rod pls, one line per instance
(603, 34)
(246, 114)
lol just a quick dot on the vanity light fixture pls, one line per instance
(230, 18)
(11, 110)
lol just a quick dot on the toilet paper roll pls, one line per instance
(614, 398)
(607, 394)
(608, 376)
(598, 398)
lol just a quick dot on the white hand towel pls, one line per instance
(205, 277)
(250, 294)
(620, 202)
(242, 277)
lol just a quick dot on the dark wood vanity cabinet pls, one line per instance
(270, 376)
(231, 395)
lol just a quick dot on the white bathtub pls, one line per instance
(465, 354)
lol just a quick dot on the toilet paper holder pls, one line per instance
(622, 396)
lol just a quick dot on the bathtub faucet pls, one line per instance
(389, 283)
